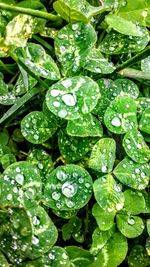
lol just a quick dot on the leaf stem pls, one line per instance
(32, 12)
(143, 54)
(135, 74)
(44, 43)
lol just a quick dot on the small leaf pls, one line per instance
(96, 63)
(68, 187)
(85, 126)
(136, 147)
(19, 30)
(130, 226)
(113, 253)
(20, 184)
(134, 202)
(120, 116)
(103, 155)
(44, 234)
(36, 128)
(71, 228)
(79, 257)
(79, 10)
(71, 98)
(100, 238)
(74, 148)
(132, 174)
(122, 25)
(138, 257)
(71, 50)
(117, 43)
(144, 123)
(104, 219)
(40, 63)
(108, 194)
(4, 137)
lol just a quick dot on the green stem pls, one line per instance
(32, 12)
(135, 74)
(143, 54)
(44, 43)
(21, 101)
(4, 66)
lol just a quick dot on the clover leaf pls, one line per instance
(103, 218)
(70, 98)
(138, 257)
(134, 202)
(68, 187)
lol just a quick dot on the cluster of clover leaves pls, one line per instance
(75, 129)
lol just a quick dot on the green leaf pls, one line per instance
(4, 137)
(144, 124)
(117, 43)
(7, 160)
(142, 104)
(16, 223)
(3, 260)
(65, 214)
(40, 63)
(138, 257)
(136, 147)
(71, 228)
(79, 257)
(138, 13)
(122, 25)
(19, 30)
(130, 226)
(71, 98)
(134, 202)
(108, 193)
(76, 10)
(104, 219)
(36, 128)
(20, 184)
(103, 155)
(24, 83)
(70, 49)
(145, 64)
(44, 234)
(132, 174)
(120, 116)
(85, 126)
(68, 187)
(113, 253)
(96, 63)
(74, 148)
(100, 238)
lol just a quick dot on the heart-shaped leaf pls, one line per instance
(134, 202)
(104, 219)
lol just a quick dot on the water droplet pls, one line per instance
(143, 175)
(131, 221)
(9, 197)
(119, 206)
(51, 256)
(64, 255)
(69, 100)
(15, 190)
(74, 26)
(81, 180)
(69, 203)
(137, 170)
(117, 188)
(129, 146)
(62, 113)
(67, 83)
(20, 179)
(56, 195)
(104, 169)
(40, 166)
(35, 240)
(54, 93)
(35, 220)
(35, 136)
(18, 169)
(116, 122)
(62, 176)
(56, 104)
(127, 141)
(87, 185)
(68, 189)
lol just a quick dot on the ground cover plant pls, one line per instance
(74, 133)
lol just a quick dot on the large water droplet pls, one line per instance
(62, 113)
(131, 221)
(35, 240)
(68, 189)
(116, 122)
(35, 220)
(54, 93)
(20, 179)
(69, 100)
(67, 83)
(62, 176)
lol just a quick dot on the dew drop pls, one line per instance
(9, 197)
(69, 100)
(119, 206)
(81, 180)
(35, 136)
(54, 93)
(35, 240)
(137, 170)
(56, 195)
(51, 256)
(20, 179)
(131, 221)
(62, 176)
(64, 255)
(56, 104)
(69, 203)
(74, 26)
(116, 122)
(36, 221)
(104, 169)
(18, 169)
(62, 113)
(68, 189)
(67, 83)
